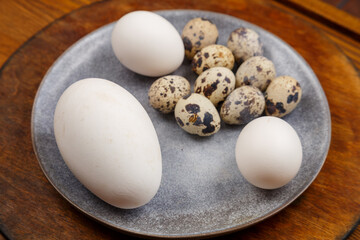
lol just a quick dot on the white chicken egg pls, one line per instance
(109, 143)
(147, 43)
(268, 152)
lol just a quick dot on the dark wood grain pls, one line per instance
(30, 208)
(332, 2)
(352, 7)
(329, 13)
(355, 235)
(20, 19)
(349, 43)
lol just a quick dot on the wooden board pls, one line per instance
(30, 208)
(339, 26)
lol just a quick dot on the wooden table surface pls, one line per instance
(34, 33)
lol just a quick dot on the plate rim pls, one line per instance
(199, 234)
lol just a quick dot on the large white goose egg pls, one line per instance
(109, 143)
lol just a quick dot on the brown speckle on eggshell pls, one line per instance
(165, 92)
(242, 105)
(197, 34)
(197, 115)
(215, 84)
(212, 56)
(282, 96)
(244, 43)
(257, 71)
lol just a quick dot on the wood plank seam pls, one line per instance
(352, 30)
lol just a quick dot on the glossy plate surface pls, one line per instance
(202, 192)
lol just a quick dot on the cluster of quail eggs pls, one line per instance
(219, 94)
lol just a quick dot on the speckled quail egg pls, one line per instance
(244, 43)
(257, 71)
(197, 115)
(212, 56)
(242, 105)
(165, 92)
(282, 96)
(215, 84)
(198, 33)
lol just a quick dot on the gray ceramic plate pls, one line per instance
(202, 193)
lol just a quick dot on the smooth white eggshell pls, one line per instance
(109, 143)
(268, 152)
(147, 43)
